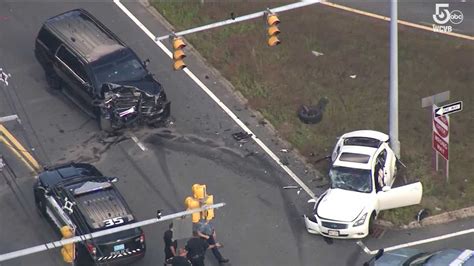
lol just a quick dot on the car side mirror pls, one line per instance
(113, 179)
(386, 188)
(146, 62)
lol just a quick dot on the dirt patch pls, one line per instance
(353, 73)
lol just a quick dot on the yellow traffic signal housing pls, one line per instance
(273, 30)
(178, 53)
(192, 203)
(199, 191)
(209, 213)
(68, 251)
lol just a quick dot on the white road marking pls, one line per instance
(217, 100)
(415, 243)
(137, 141)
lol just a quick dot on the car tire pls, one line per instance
(309, 115)
(371, 223)
(54, 81)
(41, 207)
(105, 124)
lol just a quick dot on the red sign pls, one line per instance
(440, 146)
(441, 134)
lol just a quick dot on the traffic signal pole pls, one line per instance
(60, 243)
(393, 95)
(302, 3)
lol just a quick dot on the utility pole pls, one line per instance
(393, 97)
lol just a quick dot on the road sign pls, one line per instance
(441, 134)
(448, 109)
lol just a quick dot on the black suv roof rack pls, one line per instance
(85, 34)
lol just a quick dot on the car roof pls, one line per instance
(448, 256)
(356, 162)
(101, 204)
(84, 34)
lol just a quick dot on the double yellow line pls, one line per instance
(15, 146)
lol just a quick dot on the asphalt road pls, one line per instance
(418, 11)
(261, 224)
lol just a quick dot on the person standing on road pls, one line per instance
(206, 231)
(180, 259)
(196, 248)
(170, 244)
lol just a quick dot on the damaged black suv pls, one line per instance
(98, 72)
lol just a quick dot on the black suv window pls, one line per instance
(49, 40)
(72, 62)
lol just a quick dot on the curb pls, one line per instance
(441, 218)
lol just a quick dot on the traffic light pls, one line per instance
(68, 251)
(199, 199)
(199, 191)
(209, 213)
(272, 29)
(192, 203)
(178, 53)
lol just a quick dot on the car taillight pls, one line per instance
(91, 248)
(142, 238)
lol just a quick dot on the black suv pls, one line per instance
(98, 72)
(79, 196)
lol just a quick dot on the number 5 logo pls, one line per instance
(442, 14)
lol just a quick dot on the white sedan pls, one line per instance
(362, 174)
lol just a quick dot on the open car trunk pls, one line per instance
(123, 105)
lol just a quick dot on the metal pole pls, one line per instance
(8, 118)
(242, 18)
(56, 244)
(393, 111)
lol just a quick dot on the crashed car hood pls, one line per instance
(342, 205)
(149, 86)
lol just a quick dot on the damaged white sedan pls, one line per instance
(362, 174)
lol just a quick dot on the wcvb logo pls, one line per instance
(442, 16)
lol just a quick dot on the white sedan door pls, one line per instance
(400, 196)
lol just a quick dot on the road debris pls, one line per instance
(242, 136)
(422, 214)
(284, 150)
(353, 76)
(316, 53)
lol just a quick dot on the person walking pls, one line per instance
(170, 244)
(196, 248)
(206, 231)
(180, 259)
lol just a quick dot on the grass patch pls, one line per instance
(277, 80)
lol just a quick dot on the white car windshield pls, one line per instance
(359, 180)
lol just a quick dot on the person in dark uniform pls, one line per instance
(196, 247)
(180, 259)
(170, 244)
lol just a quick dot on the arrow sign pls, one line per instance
(448, 109)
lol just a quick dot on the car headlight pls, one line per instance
(361, 220)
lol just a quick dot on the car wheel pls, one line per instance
(105, 124)
(372, 223)
(309, 115)
(54, 81)
(40, 207)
